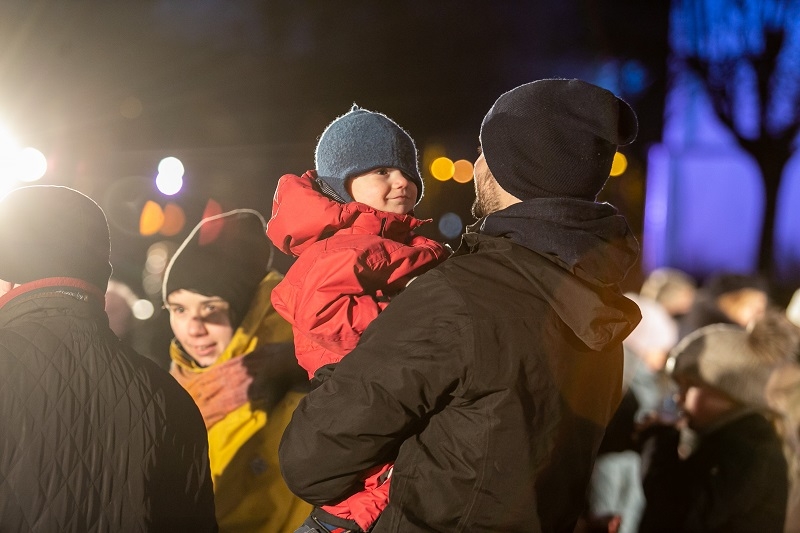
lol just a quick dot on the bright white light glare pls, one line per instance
(171, 166)
(170, 175)
(17, 164)
(8, 154)
(6, 186)
(169, 184)
(7, 142)
(31, 164)
(143, 309)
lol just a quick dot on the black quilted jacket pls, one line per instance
(92, 436)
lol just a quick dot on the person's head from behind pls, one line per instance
(654, 336)
(672, 288)
(120, 300)
(366, 157)
(722, 367)
(49, 231)
(742, 298)
(550, 138)
(212, 279)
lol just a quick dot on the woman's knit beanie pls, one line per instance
(225, 255)
(48, 231)
(555, 138)
(360, 141)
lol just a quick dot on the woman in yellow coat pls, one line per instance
(234, 354)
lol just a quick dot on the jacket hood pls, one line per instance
(302, 216)
(587, 239)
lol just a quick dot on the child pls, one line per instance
(349, 224)
(730, 474)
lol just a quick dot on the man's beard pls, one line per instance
(486, 197)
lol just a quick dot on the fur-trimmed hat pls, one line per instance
(736, 361)
(360, 141)
(555, 138)
(225, 255)
(48, 231)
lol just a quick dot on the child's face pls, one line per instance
(702, 405)
(384, 189)
(202, 324)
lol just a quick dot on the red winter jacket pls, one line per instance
(351, 260)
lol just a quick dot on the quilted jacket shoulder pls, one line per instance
(95, 437)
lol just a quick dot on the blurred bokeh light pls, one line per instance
(174, 220)
(18, 164)
(131, 107)
(442, 168)
(31, 164)
(451, 225)
(152, 219)
(143, 309)
(170, 176)
(619, 165)
(462, 171)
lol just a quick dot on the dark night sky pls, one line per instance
(240, 90)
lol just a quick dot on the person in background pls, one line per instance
(233, 353)
(783, 396)
(721, 468)
(616, 488)
(94, 436)
(489, 380)
(674, 289)
(726, 298)
(646, 351)
(119, 307)
(350, 223)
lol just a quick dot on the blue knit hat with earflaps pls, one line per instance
(360, 141)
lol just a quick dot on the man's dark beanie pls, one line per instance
(360, 141)
(225, 255)
(48, 231)
(555, 138)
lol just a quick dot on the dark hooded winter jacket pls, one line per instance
(488, 381)
(93, 437)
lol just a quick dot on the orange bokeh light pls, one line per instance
(151, 219)
(463, 171)
(174, 220)
(442, 168)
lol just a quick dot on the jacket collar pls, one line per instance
(69, 287)
(322, 217)
(589, 239)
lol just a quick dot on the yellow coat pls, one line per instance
(249, 492)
